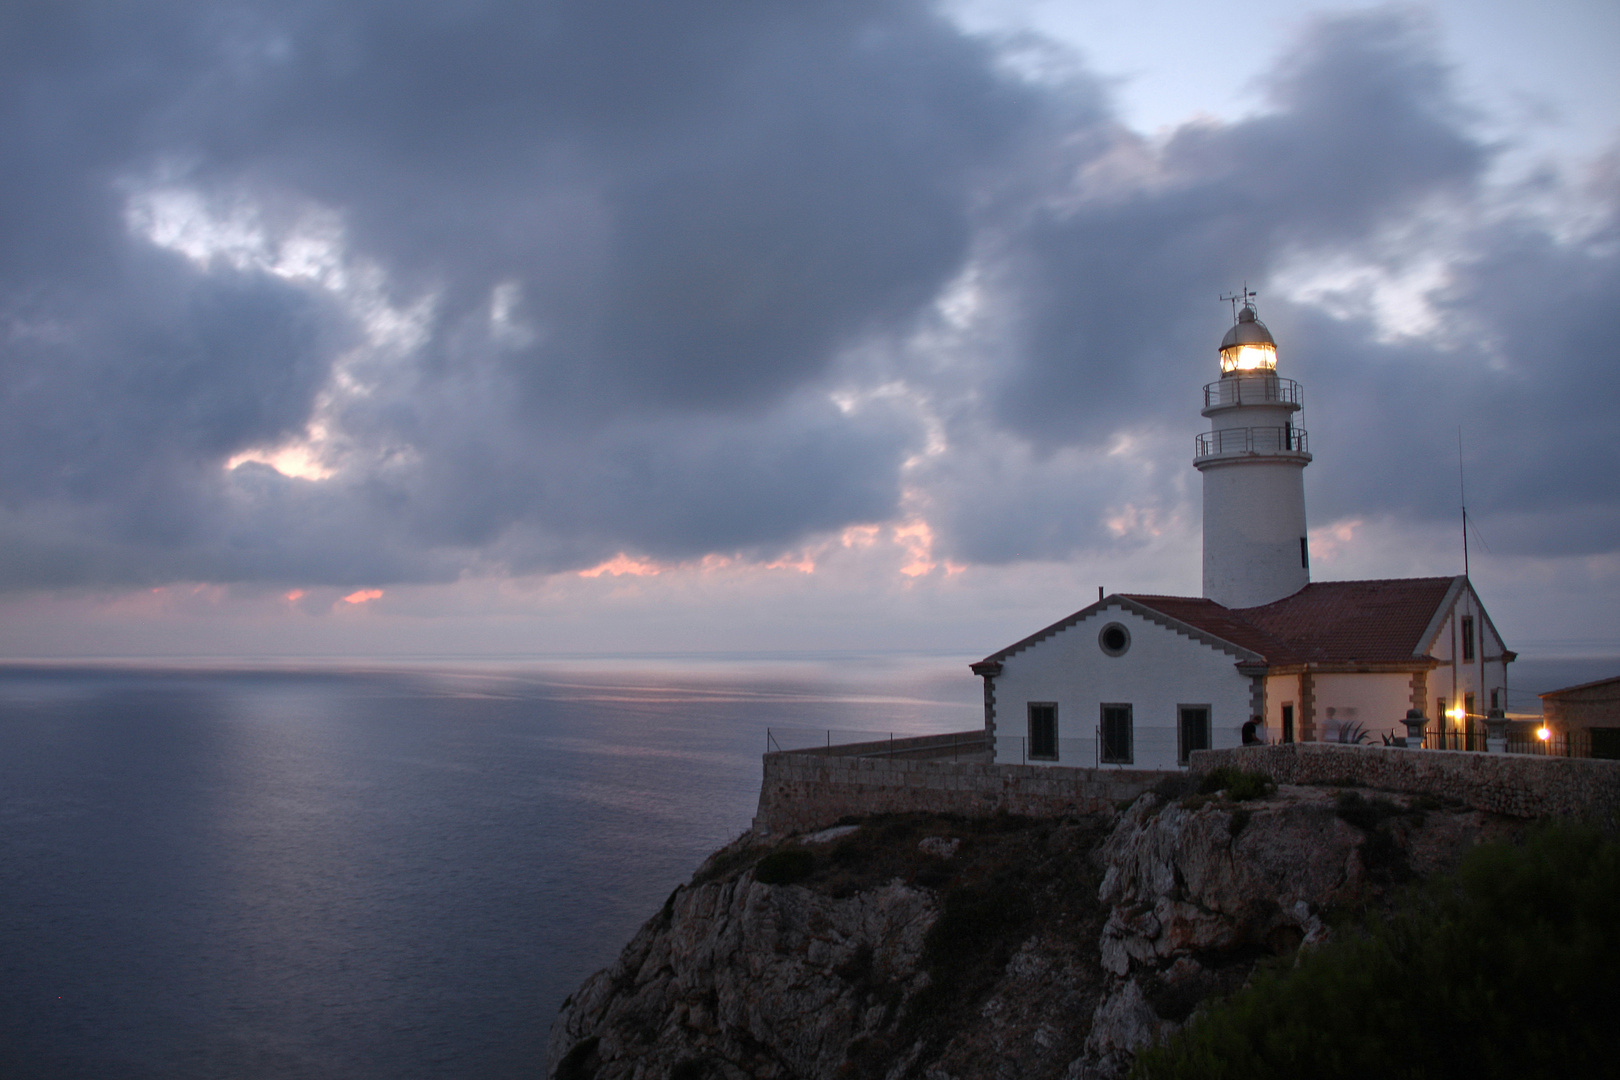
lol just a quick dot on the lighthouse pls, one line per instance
(1253, 460)
(1146, 681)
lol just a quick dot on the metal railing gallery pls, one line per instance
(1253, 440)
(1269, 390)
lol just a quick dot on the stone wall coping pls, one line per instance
(1519, 785)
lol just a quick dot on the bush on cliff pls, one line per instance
(1507, 970)
(785, 867)
(1239, 785)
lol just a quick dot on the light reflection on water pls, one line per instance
(381, 872)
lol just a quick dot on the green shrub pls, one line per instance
(1506, 970)
(785, 867)
(1239, 785)
(1365, 814)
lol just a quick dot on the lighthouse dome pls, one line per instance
(1248, 346)
(1248, 330)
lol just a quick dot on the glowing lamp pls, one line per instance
(1543, 733)
(1248, 347)
(1458, 714)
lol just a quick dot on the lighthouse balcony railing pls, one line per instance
(1253, 440)
(1253, 390)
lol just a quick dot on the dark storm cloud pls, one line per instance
(695, 207)
(647, 239)
(1532, 400)
(1119, 292)
(706, 200)
(1366, 155)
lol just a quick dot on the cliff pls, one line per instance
(944, 947)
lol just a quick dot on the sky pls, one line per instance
(504, 328)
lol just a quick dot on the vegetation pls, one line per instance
(785, 867)
(1505, 971)
(1382, 856)
(1238, 784)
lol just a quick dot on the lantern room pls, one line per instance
(1248, 347)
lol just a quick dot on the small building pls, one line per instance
(1265, 655)
(1588, 713)
(1145, 680)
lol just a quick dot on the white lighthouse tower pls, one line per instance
(1253, 459)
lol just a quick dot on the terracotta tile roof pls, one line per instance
(1221, 622)
(1349, 621)
(1327, 622)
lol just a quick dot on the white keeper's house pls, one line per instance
(1264, 655)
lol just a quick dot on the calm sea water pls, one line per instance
(383, 873)
(387, 872)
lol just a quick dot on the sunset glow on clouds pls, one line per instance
(441, 312)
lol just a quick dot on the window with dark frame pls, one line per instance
(1043, 737)
(1117, 743)
(1192, 731)
(1468, 637)
(1304, 553)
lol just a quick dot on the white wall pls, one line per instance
(1160, 671)
(1377, 701)
(1254, 515)
(1479, 676)
(1280, 690)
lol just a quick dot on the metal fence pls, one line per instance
(1146, 745)
(1469, 739)
(846, 742)
(1557, 744)
(1574, 743)
(1153, 744)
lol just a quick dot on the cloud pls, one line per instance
(355, 295)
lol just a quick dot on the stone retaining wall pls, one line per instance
(803, 792)
(1521, 785)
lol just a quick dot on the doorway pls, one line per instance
(1192, 731)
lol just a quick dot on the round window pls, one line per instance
(1114, 639)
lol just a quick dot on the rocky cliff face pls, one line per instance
(937, 948)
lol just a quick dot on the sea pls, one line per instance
(384, 870)
(374, 870)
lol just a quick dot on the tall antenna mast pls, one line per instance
(1462, 491)
(1247, 296)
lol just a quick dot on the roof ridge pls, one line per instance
(1581, 686)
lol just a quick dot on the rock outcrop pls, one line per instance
(948, 948)
(737, 978)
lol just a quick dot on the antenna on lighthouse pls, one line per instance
(1246, 295)
(1462, 492)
